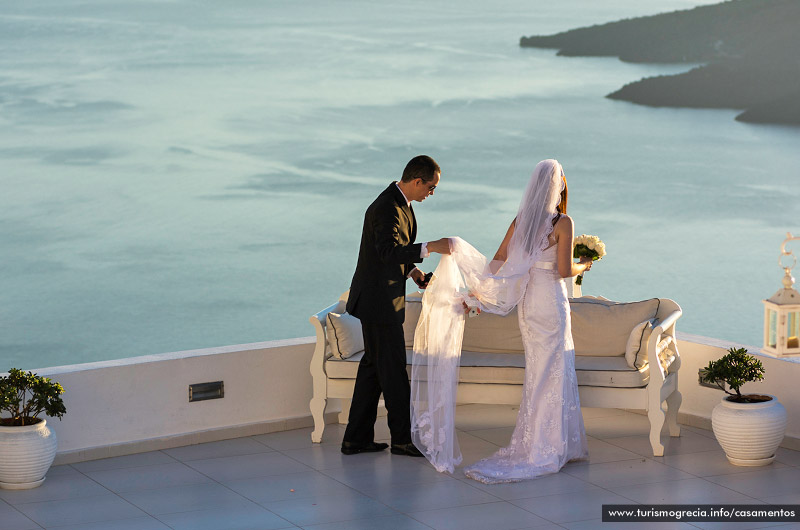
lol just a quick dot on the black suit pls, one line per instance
(377, 297)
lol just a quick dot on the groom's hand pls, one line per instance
(419, 278)
(442, 246)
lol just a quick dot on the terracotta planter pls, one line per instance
(26, 454)
(749, 432)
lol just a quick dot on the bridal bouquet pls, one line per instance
(589, 246)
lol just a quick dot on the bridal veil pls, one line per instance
(464, 276)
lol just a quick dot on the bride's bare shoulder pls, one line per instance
(564, 221)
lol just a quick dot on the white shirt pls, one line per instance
(424, 252)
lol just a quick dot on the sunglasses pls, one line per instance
(430, 188)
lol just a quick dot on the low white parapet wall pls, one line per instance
(780, 380)
(142, 403)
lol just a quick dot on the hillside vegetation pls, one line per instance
(751, 51)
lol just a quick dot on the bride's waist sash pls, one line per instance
(548, 265)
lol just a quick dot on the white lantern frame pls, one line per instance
(782, 312)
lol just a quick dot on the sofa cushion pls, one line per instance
(602, 327)
(487, 333)
(490, 333)
(344, 335)
(636, 349)
(509, 368)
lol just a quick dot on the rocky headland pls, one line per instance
(750, 50)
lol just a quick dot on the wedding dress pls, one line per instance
(549, 430)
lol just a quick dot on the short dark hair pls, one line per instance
(421, 167)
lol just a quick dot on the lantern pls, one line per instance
(782, 312)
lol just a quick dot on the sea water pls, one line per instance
(180, 175)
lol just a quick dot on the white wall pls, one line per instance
(138, 404)
(146, 398)
(781, 378)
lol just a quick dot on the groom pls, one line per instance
(377, 297)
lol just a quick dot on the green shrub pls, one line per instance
(734, 369)
(25, 395)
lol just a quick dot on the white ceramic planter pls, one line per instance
(26, 454)
(749, 432)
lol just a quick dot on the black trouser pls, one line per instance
(382, 369)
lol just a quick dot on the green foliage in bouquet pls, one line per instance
(25, 395)
(581, 250)
(734, 369)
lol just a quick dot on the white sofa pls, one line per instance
(626, 357)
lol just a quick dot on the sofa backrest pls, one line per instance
(600, 328)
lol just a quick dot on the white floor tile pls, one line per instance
(594, 412)
(148, 477)
(79, 511)
(151, 458)
(298, 438)
(626, 472)
(495, 515)
(539, 487)
(393, 471)
(342, 507)
(472, 417)
(690, 491)
(687, 442)
(234, 483)
(55, 471)
(708, 464)
(287, 487)
(139, 523)
(247, 466)
(569, 507)
(185, 498)
(618, 426)
(788, 456)
(390, 522)
(12, 519)
(762, 483)
(739, 526)
(698, 430)
(234, 447)
(601, 452)
(599, 524)
(791, 498)
(59, 487)
(433, 495)
(330, 456)
(499, 436)
(249, 518)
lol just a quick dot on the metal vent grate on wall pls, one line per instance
(204, 391)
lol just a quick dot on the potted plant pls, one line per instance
(749, 427)
(27, 444)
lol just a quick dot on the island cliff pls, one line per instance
(751, 51)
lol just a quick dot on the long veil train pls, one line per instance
(461, 276)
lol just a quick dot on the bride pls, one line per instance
(527, 272)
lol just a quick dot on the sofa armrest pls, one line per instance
(663, 341)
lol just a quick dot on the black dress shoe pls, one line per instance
(405, 449)
(353, 449)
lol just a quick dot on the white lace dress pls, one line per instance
(549, 430)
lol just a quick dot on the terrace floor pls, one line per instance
(281, 480)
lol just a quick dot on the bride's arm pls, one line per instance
(565, 234)
(502, 252)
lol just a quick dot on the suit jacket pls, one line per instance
(386, 256)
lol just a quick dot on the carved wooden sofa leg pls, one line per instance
(673, 404)
(317, 406)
